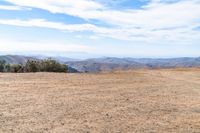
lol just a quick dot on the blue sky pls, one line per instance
(96, 28)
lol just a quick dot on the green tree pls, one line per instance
(32, 66)
(2, 65)
(50, 65)
(7, 68)
(17, 68)
(47, 65)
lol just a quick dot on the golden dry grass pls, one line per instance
(128, 101)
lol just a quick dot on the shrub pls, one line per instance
(47, 65)
(50, 65)
(32, 66)
(7, 68)
(2, 65)
(17, 68)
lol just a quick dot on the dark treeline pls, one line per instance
(47, 65)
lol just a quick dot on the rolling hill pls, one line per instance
(111, 63)
(108, 63)
(16, 59)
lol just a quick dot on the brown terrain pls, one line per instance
(127, 101)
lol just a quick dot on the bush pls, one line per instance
(47, 65)
(7, 68)
(2, 65)
(17, 68)
(32, 66)
(50, 65)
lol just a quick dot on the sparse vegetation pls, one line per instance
(47, 65)
(2, 65)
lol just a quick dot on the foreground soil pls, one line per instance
(129, 101)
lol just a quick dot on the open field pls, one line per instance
(129, 101)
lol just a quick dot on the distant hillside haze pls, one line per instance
(16, 59)
(98, 65)
(111, 63)
(20, 59)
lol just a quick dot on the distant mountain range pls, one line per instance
(16, 59)
(111, 63)
(108, 64)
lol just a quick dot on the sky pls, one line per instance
(99, 28)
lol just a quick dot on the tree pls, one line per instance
(7, 68)
(2, 65)
(50, 65)
(17, 68)
(32, 66)
(47, 65)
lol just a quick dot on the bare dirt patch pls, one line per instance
(130, 101)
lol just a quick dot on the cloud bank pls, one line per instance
(169, 21)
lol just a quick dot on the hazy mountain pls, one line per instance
(58, 58)
(110, 63)
(19, 59)
(16, 59)
(107, 64)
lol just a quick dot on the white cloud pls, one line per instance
(161, 14)
(159, 21)
(47, 24)
(6, 7)
(114, 33)
(22, 46)
(183, 34)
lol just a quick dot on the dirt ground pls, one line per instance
(117, 102)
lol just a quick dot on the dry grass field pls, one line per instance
(129, 101)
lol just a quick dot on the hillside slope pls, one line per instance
(16, 59)
(108, 64)
(111, 63)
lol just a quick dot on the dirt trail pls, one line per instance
(129, 101)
